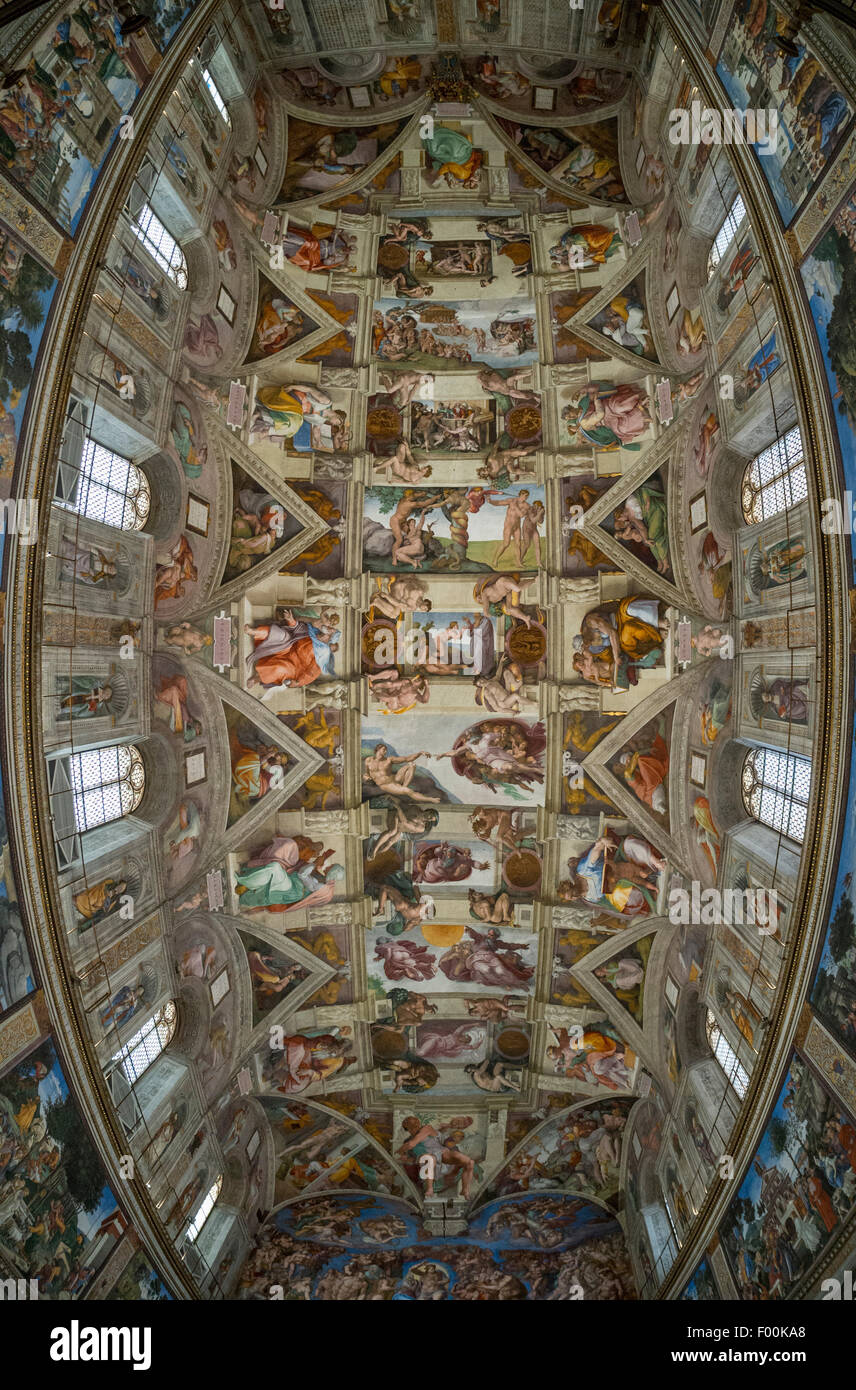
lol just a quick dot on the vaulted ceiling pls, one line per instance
(427, 637)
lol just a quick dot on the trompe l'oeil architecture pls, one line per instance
(428, 433)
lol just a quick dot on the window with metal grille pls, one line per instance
(667, 1200)
(161, 245)
(204, 1209)
(106, 783)
(726, 234)
(775, 790)
(148, 1042)
(775, 479)
(215, 96)
(107, 487)
(736, 1074)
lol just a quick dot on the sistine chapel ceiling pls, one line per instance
(426, 848)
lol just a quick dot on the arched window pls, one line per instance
(215, 96)
(161, 245)
(204, 1209)
(726, 234)
(775, 479)
(107, 783)
(105, 486)
(148, 1042)
(775, 790)
(725, 1055)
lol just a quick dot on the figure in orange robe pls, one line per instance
(645, 773)
(283, 654)
(821, 1201)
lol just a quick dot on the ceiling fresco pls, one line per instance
(426, 723)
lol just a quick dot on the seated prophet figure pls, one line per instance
(287, 873)
(618, 638)
(321, 248)
(443, 1146)
(599, 1059)
(583, 245)
(304, 415)
(619, 875)
(607, 416)
(292, 651)
(452, 155)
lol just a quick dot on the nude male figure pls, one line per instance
(400, 231)
(501, 461)
(708, 641)
(411, 502)
(397, 692)
(566, 1048)
(378, 768)
(404, 595)
(403, 386)
(501, 693)
(401, 826)
(505, 589)
(487, 819)
(412, 914)
(491, 1076)
(516, 509)
(492, 380)
(402, 465)
(398, 286)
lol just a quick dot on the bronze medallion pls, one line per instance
(523, 422)
(526, 645)
(522, 868)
